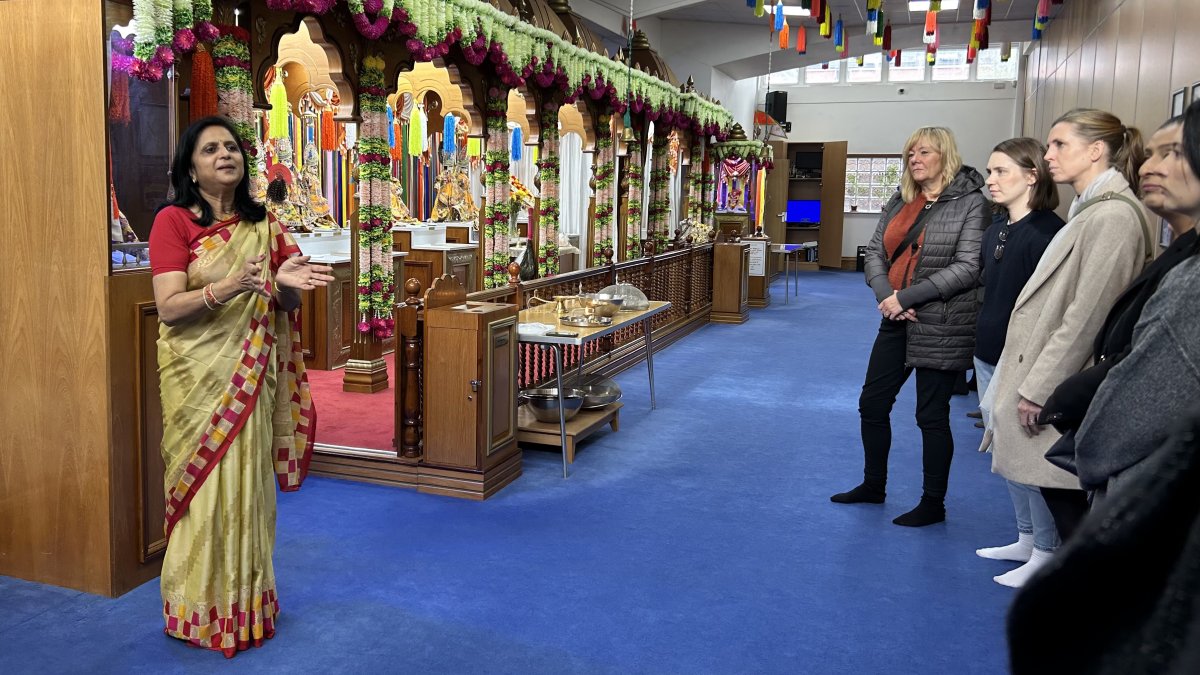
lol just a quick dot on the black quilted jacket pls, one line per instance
(946, 276)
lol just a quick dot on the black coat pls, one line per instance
(1123, 595)
(944, 284)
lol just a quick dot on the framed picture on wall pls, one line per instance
(1195, 92)
(1178, 102)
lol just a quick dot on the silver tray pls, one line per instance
(585, 321)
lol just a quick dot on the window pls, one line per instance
(783, 78)
(951, 65)
(819, 74)
(911, 68)
(871, 180)
(871, 69)
(988, 65)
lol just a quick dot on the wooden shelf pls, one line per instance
(579, 427)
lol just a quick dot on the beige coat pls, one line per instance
(1053, 326)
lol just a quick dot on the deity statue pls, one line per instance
(735, 179)
(400, 212)
(454, 201)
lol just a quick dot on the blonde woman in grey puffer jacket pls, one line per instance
(923, 264)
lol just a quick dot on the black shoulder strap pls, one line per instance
(914, 232)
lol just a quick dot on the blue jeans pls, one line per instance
(1033, 516)
(983, 375)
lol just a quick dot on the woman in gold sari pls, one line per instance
(237, 413)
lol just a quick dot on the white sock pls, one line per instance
(1017, 578)
(1017, 552)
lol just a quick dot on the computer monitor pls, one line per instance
(804, 211)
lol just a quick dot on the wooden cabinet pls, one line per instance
(815, 175)
(758, 271)
(731, 283)
(428, 263)
(328, 320)
(470, 398)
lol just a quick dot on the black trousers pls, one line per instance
(886, 374)
(1067, 507)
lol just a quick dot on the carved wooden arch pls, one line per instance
(453, 94)
(346, 81)
(577, 118)
(531, 126)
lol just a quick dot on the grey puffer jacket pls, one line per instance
(944, 284)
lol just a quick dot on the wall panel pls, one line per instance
(1154, 79)
(54, 415)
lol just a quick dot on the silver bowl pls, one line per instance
(543, 403)
(598, 395)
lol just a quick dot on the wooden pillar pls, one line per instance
(408, 373)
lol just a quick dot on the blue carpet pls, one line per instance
(698, 539)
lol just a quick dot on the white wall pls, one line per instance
(877, 119)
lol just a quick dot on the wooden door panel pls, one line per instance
(451, 407)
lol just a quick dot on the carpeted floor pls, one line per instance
(354, 420)
(698, 539)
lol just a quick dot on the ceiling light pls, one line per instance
(792, 10)
(923, 5)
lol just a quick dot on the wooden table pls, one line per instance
(586, 422)
(582, 334)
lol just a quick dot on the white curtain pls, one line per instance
(675, 191)
(575, 170)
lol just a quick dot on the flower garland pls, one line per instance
(496, 190)
(709, 209)
(376, 287)
(231, 61)
(603, 173)
(659, 210)
(751, 151)
(633, 204)
(521, 51)
(517, 50)
(548, 173)
(164, 27)
(695, 187)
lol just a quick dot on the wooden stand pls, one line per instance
(579, 427)
(760, 279)
(731, 283)
(470, 398)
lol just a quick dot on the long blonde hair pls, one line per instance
(1126, 151)
(942, 140)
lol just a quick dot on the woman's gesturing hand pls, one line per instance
(250, 277)
(299, 274)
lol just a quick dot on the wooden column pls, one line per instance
(408, 373)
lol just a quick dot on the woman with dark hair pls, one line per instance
(1025, 197)
(237, 412)
(923, 265)
(1146, 372)
(1103, 246)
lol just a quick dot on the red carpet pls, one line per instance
(354, 420)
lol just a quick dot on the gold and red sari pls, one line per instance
(237, 418)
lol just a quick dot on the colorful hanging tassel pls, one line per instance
(872, 16)
(827, 24)
(807, 4)
(818, 9)
(930, 27)
(859, 61)
(879, 28)
(759, 10)
(517, 145)
(416, 131)
(887, 37)
(118, 98)
(203, 100)
(328, 131)
(391, 125)
(838, 35)
(935, 5)
(983, 36)
(801, 40)
(784, 36)
(280, 108)
(1005, 52)
(845, 41)
(449, 145)
(981, 7)
(896, 58)
(778, 16)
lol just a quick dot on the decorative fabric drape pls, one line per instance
(575, 167)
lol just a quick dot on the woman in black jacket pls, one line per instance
(923, 264)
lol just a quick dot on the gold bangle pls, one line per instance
(204, 296)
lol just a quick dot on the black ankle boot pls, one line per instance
(931, 510)
(863, 494)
